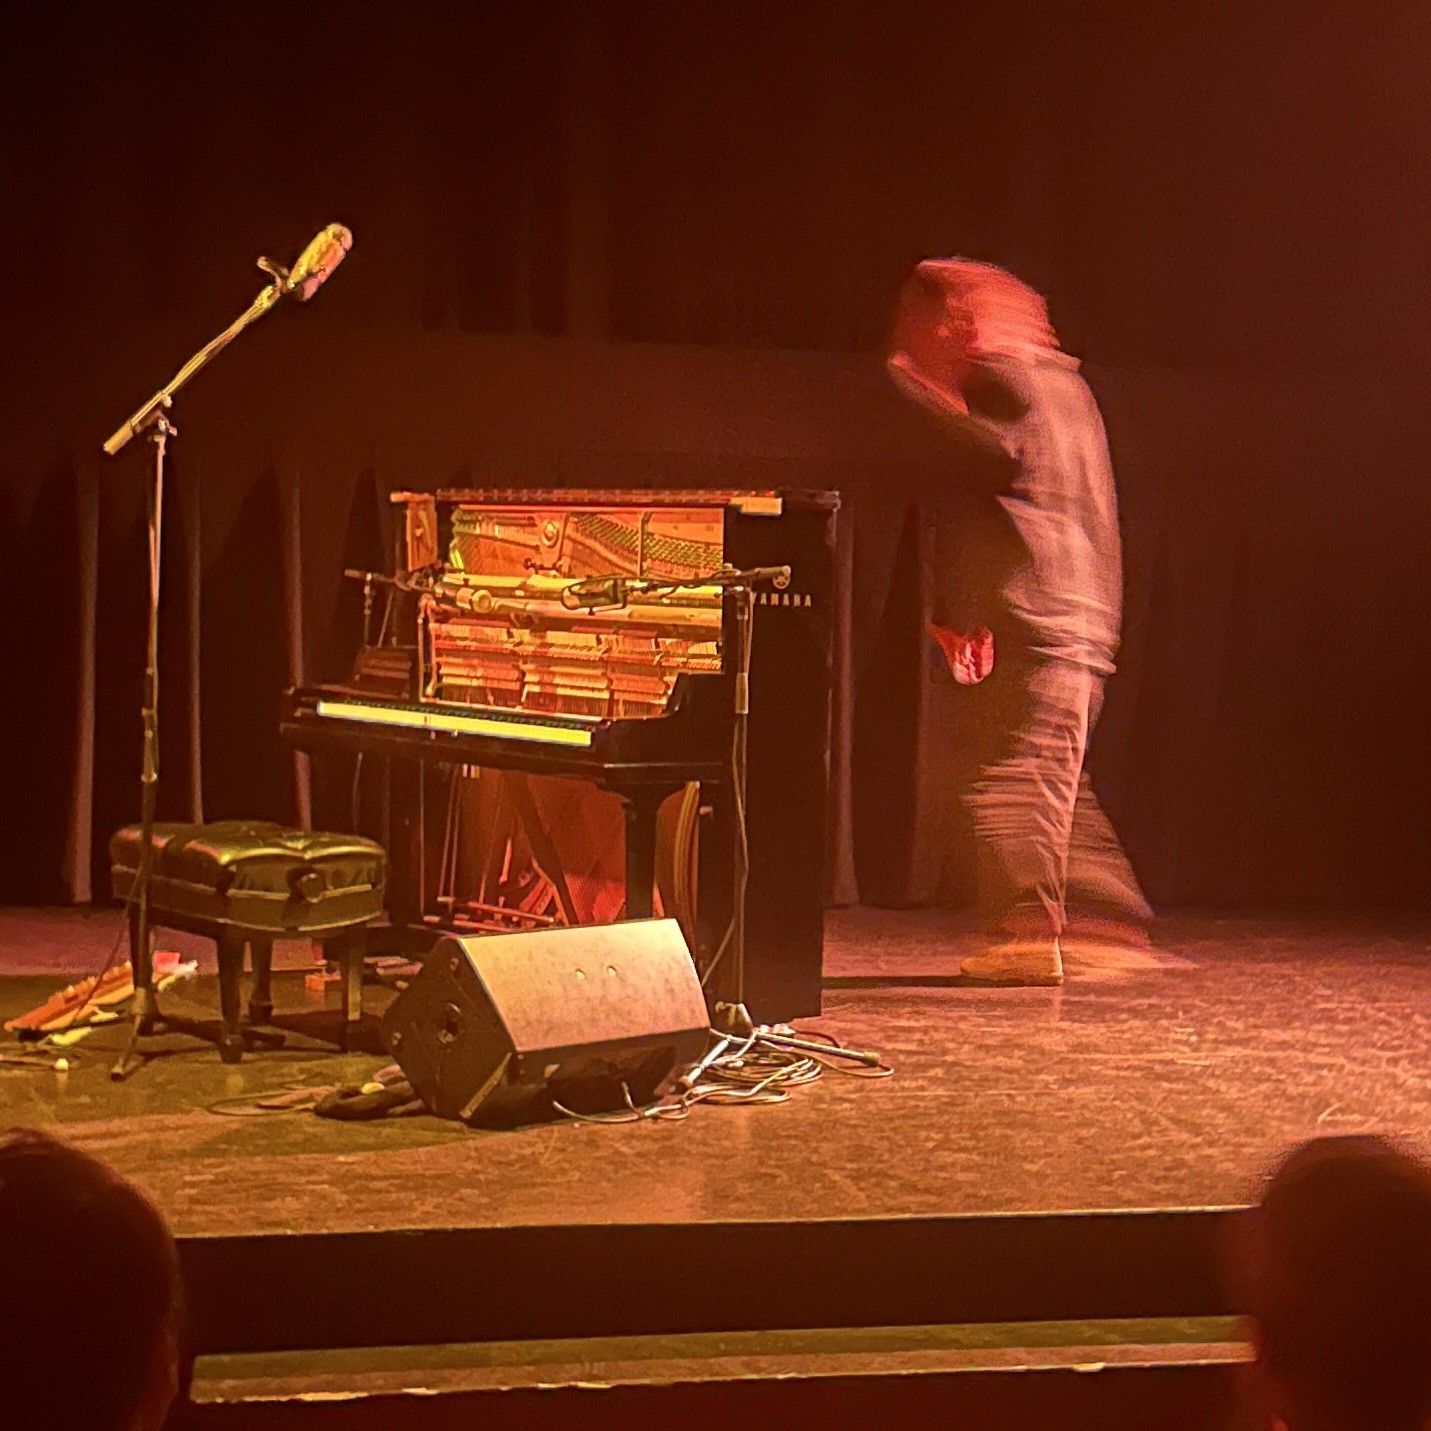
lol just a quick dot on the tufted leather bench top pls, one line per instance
(256, 875)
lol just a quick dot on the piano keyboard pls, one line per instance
(480, 720)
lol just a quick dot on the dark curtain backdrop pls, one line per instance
(636, 244)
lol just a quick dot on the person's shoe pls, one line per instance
(1109, 946)
(1016, 962)
(1101, 932)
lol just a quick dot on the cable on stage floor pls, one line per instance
(753, 1069)
(750, 1065)
(760, 1067)
(385, 1094)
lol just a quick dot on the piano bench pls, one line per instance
(245, 883)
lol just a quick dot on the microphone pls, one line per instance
(593, 592)
(465, 598)
(317, 261)
(302, 281)
(777, 576)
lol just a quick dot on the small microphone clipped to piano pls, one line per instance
(476, 599)
(594, 592)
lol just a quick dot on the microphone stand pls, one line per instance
(153, 418)
(744, 595)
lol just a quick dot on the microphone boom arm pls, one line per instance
(145, 417)
(592, 593)
(315, 264)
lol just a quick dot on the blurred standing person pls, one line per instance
(1030, 612)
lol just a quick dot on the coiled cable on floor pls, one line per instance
(756, 1068)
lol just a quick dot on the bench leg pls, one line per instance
(349, 949)
(230, 943)
(260, 998)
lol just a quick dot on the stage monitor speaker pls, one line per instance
(498, 1029)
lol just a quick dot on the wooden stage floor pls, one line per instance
(1039, 1156)
(1165, 1087)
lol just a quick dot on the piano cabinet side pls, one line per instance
(787, 771)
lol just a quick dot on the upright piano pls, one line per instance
(597, 638)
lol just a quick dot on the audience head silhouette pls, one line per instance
(92, 1279)
(1341, 1288)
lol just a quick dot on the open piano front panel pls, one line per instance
(633, 694)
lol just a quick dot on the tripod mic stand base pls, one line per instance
(146, 1021)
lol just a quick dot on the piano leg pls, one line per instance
(641, 807)
(399, 823)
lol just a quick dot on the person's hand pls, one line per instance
(970, 654)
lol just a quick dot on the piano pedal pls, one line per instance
(324, 971)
